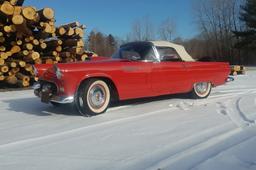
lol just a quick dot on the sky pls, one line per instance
(116, 16)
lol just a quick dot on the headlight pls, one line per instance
(58, 72)
(35, 71)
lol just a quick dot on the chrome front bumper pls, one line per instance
(38, 91)
(62, 99)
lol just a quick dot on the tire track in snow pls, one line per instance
(188, 105)
(203, 151)
(232, 109)
(175, 160)
(224, 93)
(235, 90)
(239, 140)
(242, 114)
(180, 148)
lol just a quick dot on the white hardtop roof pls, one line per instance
(179, 48)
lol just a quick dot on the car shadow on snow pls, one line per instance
(149, 100)
(33, 105)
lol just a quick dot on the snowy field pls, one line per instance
(166, 133)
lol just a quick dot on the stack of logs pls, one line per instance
(28, 36)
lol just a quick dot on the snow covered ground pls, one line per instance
(157, 134)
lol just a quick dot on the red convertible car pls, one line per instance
(136, 70)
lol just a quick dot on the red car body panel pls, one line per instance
(136, 79)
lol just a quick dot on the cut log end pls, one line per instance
(22, 63)
(15, 49)
(84, 57)
(23, 77)
(4, 69)
(2, 77)
(29, 13)
(29, 46)
(46, 13)
(62, 31)
(12, 80)
(7, 8)
(17, 19)
(43, 45)
(35, 55)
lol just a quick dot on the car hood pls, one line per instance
(94, 62)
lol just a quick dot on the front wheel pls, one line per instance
(201, 90)
(93, 97)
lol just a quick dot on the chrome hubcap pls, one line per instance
(201, 88)
(97, 96)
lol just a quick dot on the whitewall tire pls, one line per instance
(93, 97)
(201, 90)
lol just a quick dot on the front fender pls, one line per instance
(41, 68)
(93, 75)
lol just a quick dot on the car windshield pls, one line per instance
(135, 52)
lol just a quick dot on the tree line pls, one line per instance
(222, 25)
(141, 30)
(103, 45)
(227, 32)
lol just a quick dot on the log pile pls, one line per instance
(29, 36)
(237, 70)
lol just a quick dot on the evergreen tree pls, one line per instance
(101, 44)
(92, 41)
(248, 16)
(110, 45)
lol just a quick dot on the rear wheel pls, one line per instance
(201, 90)
(93, 97)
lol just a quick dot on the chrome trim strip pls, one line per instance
(156, 54)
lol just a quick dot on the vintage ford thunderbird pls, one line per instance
(136, 70)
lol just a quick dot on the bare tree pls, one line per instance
(142, 30)
(136, 30)
(217, 19)
(167, 29)
(148, 27)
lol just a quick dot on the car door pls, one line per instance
(135, 70)
(134, 79)
(170, 75)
